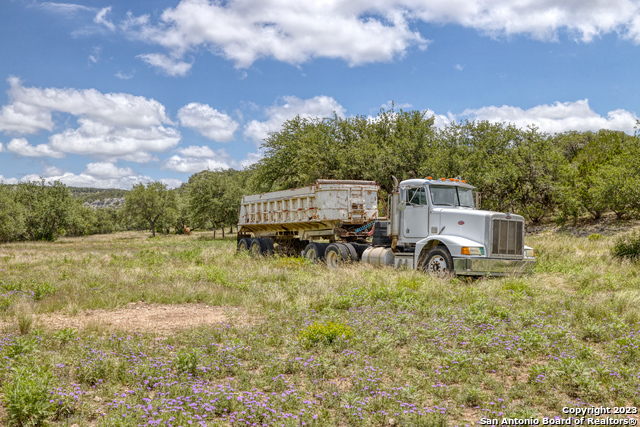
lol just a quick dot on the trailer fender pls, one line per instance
(453, 244)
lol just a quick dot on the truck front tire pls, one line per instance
(438, 263)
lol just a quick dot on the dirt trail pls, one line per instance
(160, 319)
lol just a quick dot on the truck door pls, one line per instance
(416, 214)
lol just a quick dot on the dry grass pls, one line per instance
(523, 346)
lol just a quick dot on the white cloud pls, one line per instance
(84, 180)
(166, 64)
(30, 108)
(124, 76)
(195, 159)
(171, 183)
(193, 165)
(440, 120)
(4, 180)
(101, 18)
(459, 67)
(50, 170)
(251, 159)
(21, 147)
(64, 8)
(289, 31)
(318, 106)
(107, 170)
(96, 53)
(392, 105)
(195, 151)
(365, 31)
(111, 126)
(102, 141)
(558, 117)
(208, 121)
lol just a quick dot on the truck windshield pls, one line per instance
(445, 195)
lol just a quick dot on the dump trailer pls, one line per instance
(431, 224)
(292, 219)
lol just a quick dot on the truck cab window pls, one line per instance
(451, 196)
(416, 196)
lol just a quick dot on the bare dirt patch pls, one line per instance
(159, 319)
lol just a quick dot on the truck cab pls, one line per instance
(435, 226)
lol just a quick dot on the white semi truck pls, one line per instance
(432, 225)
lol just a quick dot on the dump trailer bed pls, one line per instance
(327, 209)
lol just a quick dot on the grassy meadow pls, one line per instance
(358, 346)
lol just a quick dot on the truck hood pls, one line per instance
(470, 223)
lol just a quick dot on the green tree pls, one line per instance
(47, 208)
(11, 215)
(603, 149)
(82, 220)
(152, 204)
(214, 197)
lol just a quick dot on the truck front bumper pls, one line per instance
(491, 267)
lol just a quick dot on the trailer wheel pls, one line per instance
(315, 251)
(336, 254)
(353, 253)
(244, 244)
(267, 246)
(256, 247)
(438, 263)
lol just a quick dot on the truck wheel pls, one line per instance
(244, 244)
(438, 263)
(336, 254)
(256, 247)
(353, 253)
(315, 251)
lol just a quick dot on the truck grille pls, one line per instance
(507, 238)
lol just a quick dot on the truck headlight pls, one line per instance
(530, 253)
(471, 251)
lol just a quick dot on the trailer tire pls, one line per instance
(267, 246)
(360, 248)
(315, 251)
(353, 253)
(438, 263)
(336, 254)
(244, 244)
(257, 247)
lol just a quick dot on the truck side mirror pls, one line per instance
(402, 206)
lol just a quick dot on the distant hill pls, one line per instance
(99, 197)
(89, 195)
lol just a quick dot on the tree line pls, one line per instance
(541, 176)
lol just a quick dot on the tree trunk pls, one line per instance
(153, 228)
(222, 231)
(231, 229)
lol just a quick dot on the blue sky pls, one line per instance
(108, 93)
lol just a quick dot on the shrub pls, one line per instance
(595, 236)
(324, 333)
(27, 396)
(627, 247)
(65, 335)
(21, 346)
(187, 362)
(43, 289)
(93, 372)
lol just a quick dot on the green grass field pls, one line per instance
(304, 345)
